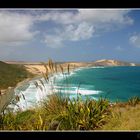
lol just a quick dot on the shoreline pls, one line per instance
(10, 94)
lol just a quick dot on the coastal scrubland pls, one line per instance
(10, 75)
(58, 112)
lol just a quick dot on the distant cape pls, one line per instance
(111, 62)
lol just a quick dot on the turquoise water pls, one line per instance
(114, 83)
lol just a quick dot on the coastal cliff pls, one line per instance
(37, 67)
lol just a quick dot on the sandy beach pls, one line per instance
(38, 69)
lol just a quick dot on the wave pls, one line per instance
(33, 95)
(80, 91)
(59, 76)
(82, 68)
(98, 67)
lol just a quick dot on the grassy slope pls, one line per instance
(10, 75)
(64, 114)
(124, 118)
(58, 114)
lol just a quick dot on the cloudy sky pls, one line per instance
(70, 34)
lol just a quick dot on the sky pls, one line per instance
(69, 34)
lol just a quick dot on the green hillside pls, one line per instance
(11, 74)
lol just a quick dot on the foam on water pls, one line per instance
(98, 67)
(32, 95)
(113, 82)
(75, 90)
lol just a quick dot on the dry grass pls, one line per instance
(124, 118)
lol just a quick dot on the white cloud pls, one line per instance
(71, 32)
(105, 16)
(15, 28)
(83, 24)
(53, 41)
(57, 16)
(75, 25)
(88, 15)
(82, 32)
(135, 40)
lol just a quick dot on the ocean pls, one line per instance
(114, 83)
(117, 83)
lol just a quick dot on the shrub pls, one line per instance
(73, 114)
(134, 101)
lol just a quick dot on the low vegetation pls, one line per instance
(11, 74)
(124, 117)
(59, 112)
